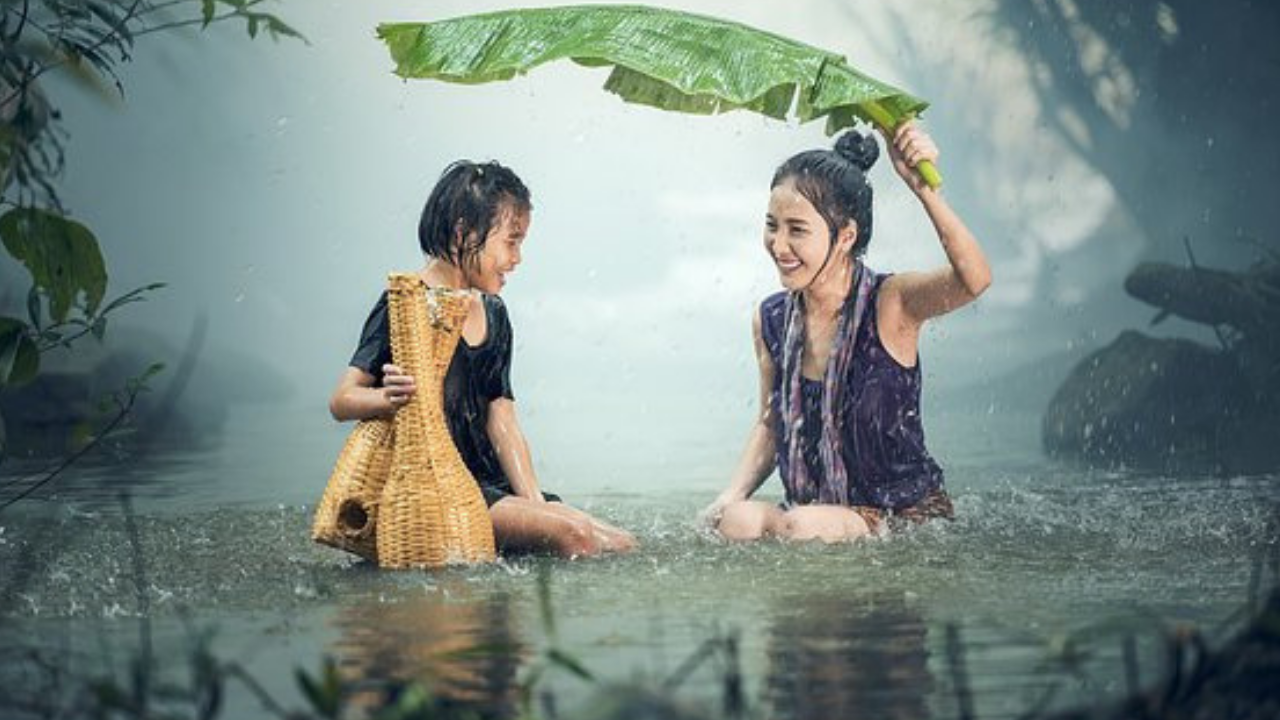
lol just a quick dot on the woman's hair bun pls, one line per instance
(861, 150)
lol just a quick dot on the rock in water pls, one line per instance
(1172, 405)
(1165, 405)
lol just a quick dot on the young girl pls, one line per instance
(472, 231)
(837, 349)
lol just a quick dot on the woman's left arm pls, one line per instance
(925, 295)
(513, 450)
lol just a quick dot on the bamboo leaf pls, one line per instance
(667, 59)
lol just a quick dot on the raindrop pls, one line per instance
(239, 297)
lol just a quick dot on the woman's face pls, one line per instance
(501, 252)
(795, 236)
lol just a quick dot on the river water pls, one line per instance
(1029, 594)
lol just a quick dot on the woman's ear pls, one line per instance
(848, 237)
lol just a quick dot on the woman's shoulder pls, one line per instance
(772, 316)
(773, 306)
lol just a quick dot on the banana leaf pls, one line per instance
(663, 58)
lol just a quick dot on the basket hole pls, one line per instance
(353, 519)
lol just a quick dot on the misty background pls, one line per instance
(273, 186)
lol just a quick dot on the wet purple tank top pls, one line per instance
(882, 434)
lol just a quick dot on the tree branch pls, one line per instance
(97, 440)
(115, 34)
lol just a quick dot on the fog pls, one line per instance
(273, 186)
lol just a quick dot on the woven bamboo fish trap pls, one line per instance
(348, 512)
(406, 480)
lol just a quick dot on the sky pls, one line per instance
(273, 186)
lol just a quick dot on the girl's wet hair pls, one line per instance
(464, 206)
(835, 183)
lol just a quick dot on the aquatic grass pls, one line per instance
(197, 682)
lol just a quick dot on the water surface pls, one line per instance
(1032, 589)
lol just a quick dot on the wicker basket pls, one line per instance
(431, 512)
(348, 512)
(400, 494)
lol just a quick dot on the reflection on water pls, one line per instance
(837, 656)
(1039, 554)
(460, 645)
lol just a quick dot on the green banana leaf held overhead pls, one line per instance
(667, 59)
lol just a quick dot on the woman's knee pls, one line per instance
(826, 523)
(574, 538)
(745, 521)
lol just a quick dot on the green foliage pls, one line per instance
(553, 655)
(324, 693)
(86, 41)
(62, 256)
(663, 58)
(19, 358)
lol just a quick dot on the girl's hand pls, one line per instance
(397, 387)
(908, 147)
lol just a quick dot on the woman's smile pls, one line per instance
(787, 265)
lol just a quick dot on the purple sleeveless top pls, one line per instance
(883, 445)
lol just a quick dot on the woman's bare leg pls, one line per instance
(749, 520)
(523, 525)
(611, 539)
(828, 523)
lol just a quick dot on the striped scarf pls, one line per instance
(832, 487)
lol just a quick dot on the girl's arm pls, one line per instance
(513, 450)
(920, 296)
(356, 398)
(760, 455)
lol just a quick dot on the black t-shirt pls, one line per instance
(476, 376)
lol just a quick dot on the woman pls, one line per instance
(472, 231)
(837, 349)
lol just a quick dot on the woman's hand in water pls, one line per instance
(710, 515)
(397, 387)
(909, 146)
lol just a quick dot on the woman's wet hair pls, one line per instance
(835, 183)
(464, 206)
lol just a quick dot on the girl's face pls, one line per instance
(797, 238)
(501, 252)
